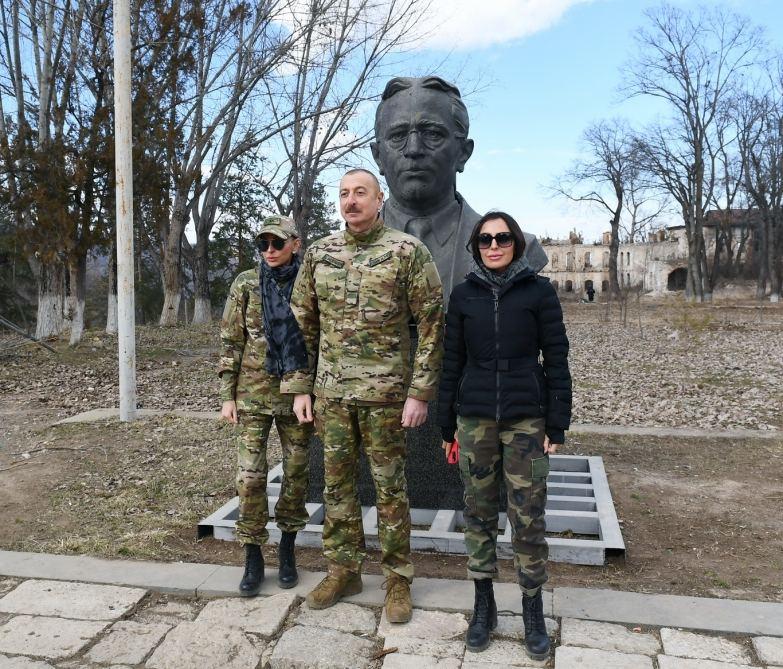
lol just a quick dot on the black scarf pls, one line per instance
(286, 349)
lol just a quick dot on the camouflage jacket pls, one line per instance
(354, 299)
(243, 350)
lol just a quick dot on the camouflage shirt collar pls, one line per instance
(369, 236)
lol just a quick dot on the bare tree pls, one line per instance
(693, 62)
(606, 178)
(761, 150)
(336, 68)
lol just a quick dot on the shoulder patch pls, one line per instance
(379, 259)
(433, 278)
(334, 262)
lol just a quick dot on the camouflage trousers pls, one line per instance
(513, 451)
(377, 429)
(290, 512)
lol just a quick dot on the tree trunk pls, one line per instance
(172, 263)
(111, 300)
(763, 258)
(202, 309)
(50, 277)
(76, 299)
(773, 263)
(614, 246)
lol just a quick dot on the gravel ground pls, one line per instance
(712, 366)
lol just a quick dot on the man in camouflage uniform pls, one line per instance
(252, 400)
(354, 298)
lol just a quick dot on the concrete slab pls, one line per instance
(127, 642)
(260, 615)
(405, 661)
(51, 638)
(607, 636)
(426, 625)
(179, 577)
(668, 662)
(434, 648)
(719, 615)
(205, 647)
(571, 657)
(20, 662)
(81, 601)
(504, 653)
(769, 650)
(319, 648)
(679, 643)
(343, 617)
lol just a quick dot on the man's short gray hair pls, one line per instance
(459, 111)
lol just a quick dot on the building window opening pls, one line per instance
(569, 286)
(677, 279)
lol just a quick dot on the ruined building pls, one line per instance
(659, 265)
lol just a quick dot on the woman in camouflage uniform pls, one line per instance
(509, 412)
(260, 342)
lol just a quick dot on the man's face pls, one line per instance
(418, 150)
(360, 200)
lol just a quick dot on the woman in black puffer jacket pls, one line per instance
(509, 410)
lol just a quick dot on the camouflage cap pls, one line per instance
(279, 226)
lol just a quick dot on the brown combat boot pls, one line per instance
(332, 588)
(399, 608)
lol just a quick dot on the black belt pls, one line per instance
(504, 364)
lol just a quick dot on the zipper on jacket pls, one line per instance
(496, 298)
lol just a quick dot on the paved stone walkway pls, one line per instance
(47, 623)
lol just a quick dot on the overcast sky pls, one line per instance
(552, 67)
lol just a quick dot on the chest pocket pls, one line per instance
(378, 288)
(330, 276)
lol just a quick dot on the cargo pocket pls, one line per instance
(540, 467)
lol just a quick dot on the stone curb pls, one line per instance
(207, 580)
(577, 428)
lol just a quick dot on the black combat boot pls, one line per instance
(254, 571)
(485, 616)
(287, 576)
(536, 638)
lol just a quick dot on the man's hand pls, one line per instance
(303, 408)
(549, 447)
(229, 412)
(414, 413)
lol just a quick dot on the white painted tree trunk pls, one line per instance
(77, 321)
(170, 312)
(202, 311)
(51, 299)
(50, 315)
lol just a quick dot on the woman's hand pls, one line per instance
(549, 447)
(445, 446)
(229, 411)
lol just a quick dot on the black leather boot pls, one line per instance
(536, 638)
(485, 616)
(287, 576)
(254, 571)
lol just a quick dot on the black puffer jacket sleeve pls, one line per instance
(554, 349)
(454, 357)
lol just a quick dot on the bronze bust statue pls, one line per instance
(421, 142)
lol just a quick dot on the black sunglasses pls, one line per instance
(277, 244)
(504, 240)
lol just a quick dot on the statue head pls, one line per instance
(421, 141)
